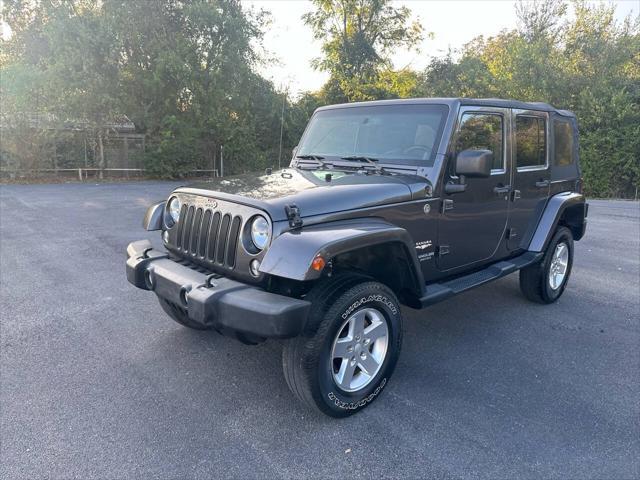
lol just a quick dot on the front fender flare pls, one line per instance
(291, 254)
(153, 217)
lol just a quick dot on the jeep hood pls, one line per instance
(311, 192)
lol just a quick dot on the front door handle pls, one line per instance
(542, 184)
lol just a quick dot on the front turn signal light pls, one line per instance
(318, 264)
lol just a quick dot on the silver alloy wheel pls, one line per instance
(558, 267)
(359, 349)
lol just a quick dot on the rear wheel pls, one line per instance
(349, 348)
(545, 281)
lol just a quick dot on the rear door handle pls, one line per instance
(542, 184)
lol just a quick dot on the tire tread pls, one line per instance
(323, 295)
(325, 298)
(533, 278)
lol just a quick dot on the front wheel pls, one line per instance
(349, 348)
(545, 281)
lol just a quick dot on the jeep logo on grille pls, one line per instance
(203, 202)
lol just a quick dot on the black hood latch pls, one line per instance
(293, 215)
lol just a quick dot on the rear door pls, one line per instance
(531, 182)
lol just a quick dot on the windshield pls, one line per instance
(401, 134)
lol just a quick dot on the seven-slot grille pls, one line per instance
(209, 235)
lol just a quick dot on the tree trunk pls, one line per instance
(100, 155)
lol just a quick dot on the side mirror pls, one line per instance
(470, 163)
(474, 163)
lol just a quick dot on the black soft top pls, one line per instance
(453, 103)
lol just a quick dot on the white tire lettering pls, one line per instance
(370, 298)
(360, 403)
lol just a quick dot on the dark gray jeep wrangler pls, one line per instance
(390, 203)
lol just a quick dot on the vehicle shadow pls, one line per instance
(471, 323)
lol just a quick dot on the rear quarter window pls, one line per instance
(563, 139)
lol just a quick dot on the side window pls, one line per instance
(563, 137)
(482, 131)
(531, 141)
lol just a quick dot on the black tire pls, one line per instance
(534, 280)
(307, 360)
(180, 315)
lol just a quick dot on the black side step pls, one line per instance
(436, 292)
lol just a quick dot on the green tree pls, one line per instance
(540, 18)
(358, 37)
(183, 70)
(587, 63)
(48, 71)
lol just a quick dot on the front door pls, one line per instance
(472, 223)
(530, 176)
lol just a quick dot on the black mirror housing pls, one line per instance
(474, 163)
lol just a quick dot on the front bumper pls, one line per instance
(214, 301)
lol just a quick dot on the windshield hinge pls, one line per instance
(293, 215)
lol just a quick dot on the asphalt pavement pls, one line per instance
(97, 382)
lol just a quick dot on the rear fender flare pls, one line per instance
(556, 208)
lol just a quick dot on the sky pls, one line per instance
(453, 23)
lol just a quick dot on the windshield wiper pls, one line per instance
(368, 160)
(310, 157)
(358, 158)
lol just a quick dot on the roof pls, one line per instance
(453, 103)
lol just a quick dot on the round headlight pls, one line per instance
(174, 209)
(260, 232)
